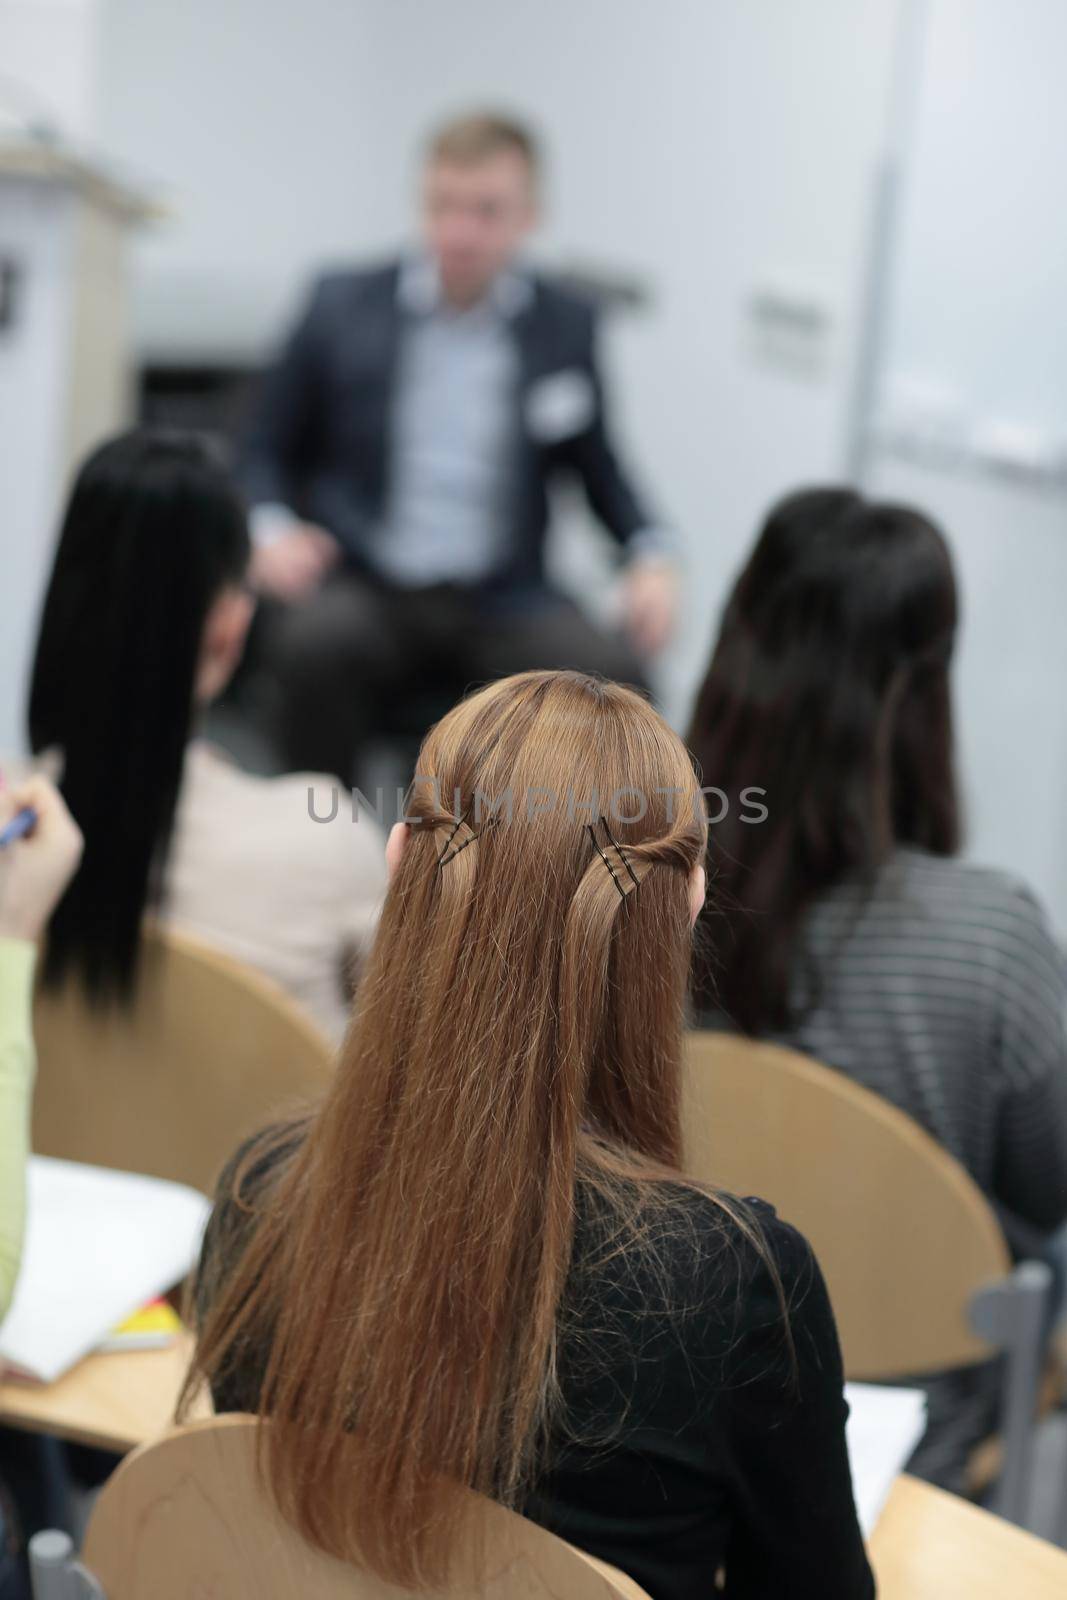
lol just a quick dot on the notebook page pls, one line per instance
(98, 1245)
(884, 1426)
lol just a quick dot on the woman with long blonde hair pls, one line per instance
(477, 1265)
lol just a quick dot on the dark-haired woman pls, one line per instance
(846, 926)
(144, 622)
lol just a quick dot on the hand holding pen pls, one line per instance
(21, 823)
(40, 847)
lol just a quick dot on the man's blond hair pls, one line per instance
(478, 136)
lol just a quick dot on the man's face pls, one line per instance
(474, 218)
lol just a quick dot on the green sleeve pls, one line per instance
(17, 958)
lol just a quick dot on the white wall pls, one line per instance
(254, 122)
(981, 249)
(48, 64)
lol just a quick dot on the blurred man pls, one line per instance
(400, 460)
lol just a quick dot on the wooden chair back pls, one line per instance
(903, 1234)
(209, 1052)
(187, 1515)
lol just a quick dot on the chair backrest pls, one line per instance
(188, 1515)
(904, 1236)
(209, 1051)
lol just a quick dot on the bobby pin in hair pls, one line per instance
(623, 887)
(450, 851)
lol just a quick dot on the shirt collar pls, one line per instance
(419, 289)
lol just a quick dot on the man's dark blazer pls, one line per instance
(319, 438)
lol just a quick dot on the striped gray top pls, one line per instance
(944, 991)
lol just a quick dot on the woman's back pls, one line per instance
(251, 871)
(941, 988)
(143, 624)
(694, 1432)
(845, 926)
(478, 1266)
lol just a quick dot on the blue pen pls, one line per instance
(20, 824)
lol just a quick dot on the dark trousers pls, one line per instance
(358, 661)
(34, 1494)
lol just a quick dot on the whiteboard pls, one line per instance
(976, 333)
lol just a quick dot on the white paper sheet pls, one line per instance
(884, 1426)
(98, 1245)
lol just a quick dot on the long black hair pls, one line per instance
(828, 689)
(152, 534)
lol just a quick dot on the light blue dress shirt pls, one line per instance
(452, 438)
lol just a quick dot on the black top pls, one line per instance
(319, 439)
(699, 1435)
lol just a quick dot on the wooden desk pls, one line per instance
(114, 1401)
(929, 1545)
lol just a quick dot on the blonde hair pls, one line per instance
(517, 1035)
(479, 136)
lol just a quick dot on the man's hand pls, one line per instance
(293, 565)
(650, 604)
(35, 870)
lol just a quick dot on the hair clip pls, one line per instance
(451, 851)
(623, 887)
